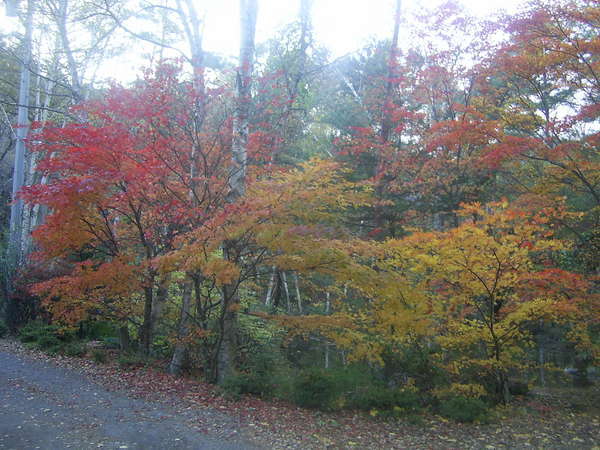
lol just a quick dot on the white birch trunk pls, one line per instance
(15, 245)
(297, 288)
(288, 303)
(237, 179)
(327, 345)
(76, 89)
(194, 38)
(269, 296)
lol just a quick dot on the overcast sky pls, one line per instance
(342, 26)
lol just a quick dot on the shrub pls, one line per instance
(463, 409)
(3, 329)
(96, 330)
(161, 347)
(414, 419)
(414, 361)
(49, 338)
(31, 332)
(48, 341)
(75, 349)
(111, 342)
(245, 383)
(130, 360)
(263, 371)
(99, 356)
(316, 389)
(43, 334)
(386, 401)
(518, 388)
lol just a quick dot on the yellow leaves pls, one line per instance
(221, 270)
(466, 390)
(477, 284)
(537, 308)
(315, 193)
(461, 286)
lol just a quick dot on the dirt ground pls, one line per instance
(55, 402)
(48, 407)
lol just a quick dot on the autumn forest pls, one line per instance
(411, 227)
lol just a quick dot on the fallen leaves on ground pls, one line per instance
(544, 421)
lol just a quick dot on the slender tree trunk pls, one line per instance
(542, 363)
(228, 343)
(269, 296)
(305, 40)
(297, 288)
(501, 376)
(179, 354)
(386, 123)
(15, 246)
(76, 89)
(503, 387)
(192, 28)
(159, 300)
(386, 119)
(124, 340)
(34, 214)
(541, 353)
(327, 345)
(237, 180)
(237, 176)
(147, 325)
(288, 302)
(191, 25)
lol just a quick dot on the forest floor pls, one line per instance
(59, 402)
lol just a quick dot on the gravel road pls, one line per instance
(47, 407)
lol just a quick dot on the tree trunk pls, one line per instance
(327, 345)
(76, 89)
(124, 340)
(386, 122)
(16, 210)
(191, 26)
(194, 37)
(227, 349)
(542, 364)
(269, 296)
(503, 388)
(179, 354)
(237, 175)
(147, 325)
(159, 300)
(228, 344)
(288, 303)
(297, 288)
(541, 354)
(501, 375)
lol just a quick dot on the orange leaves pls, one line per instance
(222, 271)
(90, 288)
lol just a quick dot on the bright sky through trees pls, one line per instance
(342, 26)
